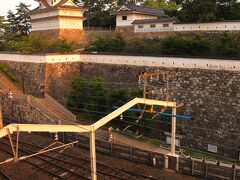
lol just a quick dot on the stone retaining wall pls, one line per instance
(16, 110)
(209, 89)
(212, 97)
(33, 75)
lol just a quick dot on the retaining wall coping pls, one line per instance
(150, 61)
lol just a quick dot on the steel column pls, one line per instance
(93, 154)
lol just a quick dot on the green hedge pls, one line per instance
(206, 45)
(39, 44)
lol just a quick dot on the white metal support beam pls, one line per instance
(92, 128)
(130, 104)
(43, 128)
(93, 154)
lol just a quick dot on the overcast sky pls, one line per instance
(6, 5)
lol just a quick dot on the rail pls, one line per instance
(4, 176)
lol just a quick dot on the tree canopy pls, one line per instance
(209, 10)
(170, 7)
(198, 11)
(20, 21)
(99, 14)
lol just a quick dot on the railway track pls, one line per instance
(3, 176)
(67, 166)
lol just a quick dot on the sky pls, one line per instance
(6, 5)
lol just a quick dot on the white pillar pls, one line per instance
(93, 154)
(174, 112)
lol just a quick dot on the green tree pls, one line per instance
(3, 24)
(229, 45)
(170, 7)
(79, 94)
(117, 43)
(99, 12)
(198, 11)
(228, 9)
(20, 21)
(11, 18)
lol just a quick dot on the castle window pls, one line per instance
(165, 25)
(140, 26)
(124, 18)
(152, 25)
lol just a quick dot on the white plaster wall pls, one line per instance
(131, 18)
(159, 27)
(195, 63)
(198, 63)
(48, 58)
(66, 12)
(45, 25)
(23, 58)
(214, 26)
(64, 23)
(44, 14)
(68, 23)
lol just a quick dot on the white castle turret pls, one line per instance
(58, 19)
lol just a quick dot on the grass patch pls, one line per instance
(208, 156)
(9, 73)
(13, 77)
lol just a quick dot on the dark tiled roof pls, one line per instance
(146, 21)
(143, 9)
(58, 5)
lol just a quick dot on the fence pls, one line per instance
(188, 166)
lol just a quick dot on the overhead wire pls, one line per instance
(160, 121)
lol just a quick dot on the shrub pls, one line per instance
(61, 46)
(117, 43)
(38, 44)
(99, 45)
(137, 46)
(229, 45)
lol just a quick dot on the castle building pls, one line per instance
(128, 13)
(58, 19)
(134, 20)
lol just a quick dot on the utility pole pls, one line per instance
(148, 76)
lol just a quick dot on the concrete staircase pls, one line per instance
(48, 106)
